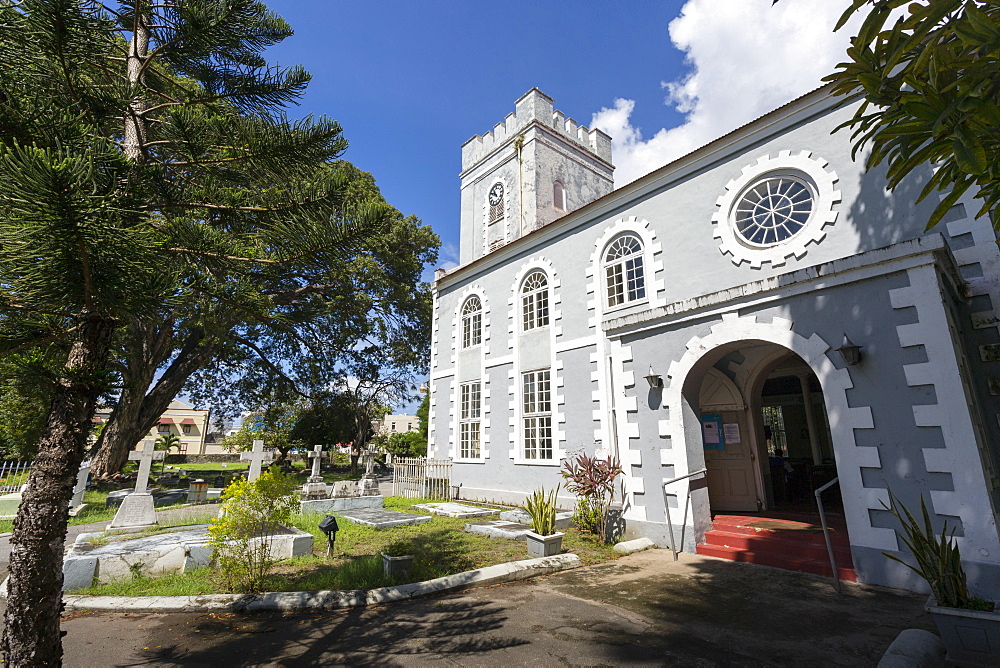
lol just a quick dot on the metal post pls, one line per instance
(826, 531)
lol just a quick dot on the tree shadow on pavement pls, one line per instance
(385, 635)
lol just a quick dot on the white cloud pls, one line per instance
(746, 58)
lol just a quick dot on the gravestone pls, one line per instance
(137, 509)
(76, 504)
(343, 495)
(345, 488)
(315, 488)
(257, 456)
(369, 482)
(316, 455)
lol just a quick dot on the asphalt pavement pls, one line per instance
(641, 609)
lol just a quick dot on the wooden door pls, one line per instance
(729, 455)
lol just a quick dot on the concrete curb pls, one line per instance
(323, 600)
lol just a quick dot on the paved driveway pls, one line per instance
(644, 608)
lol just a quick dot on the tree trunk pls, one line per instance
(138, 409)
(34, 590)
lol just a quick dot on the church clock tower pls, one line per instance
(535, 166)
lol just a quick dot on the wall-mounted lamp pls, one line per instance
(850, 352)
(653, 378)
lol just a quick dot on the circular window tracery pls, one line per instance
(776, 209)
(773, 210)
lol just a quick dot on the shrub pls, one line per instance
(251, 510)
(593, 481)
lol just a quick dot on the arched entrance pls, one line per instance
(764, 430)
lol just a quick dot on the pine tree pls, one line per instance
(142, 151)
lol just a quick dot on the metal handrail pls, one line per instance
(826, 530)
(687, 501)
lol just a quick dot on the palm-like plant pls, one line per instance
(938, 558)
(166, 442)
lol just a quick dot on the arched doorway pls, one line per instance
(763, 428)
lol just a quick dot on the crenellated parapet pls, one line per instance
(536, 107)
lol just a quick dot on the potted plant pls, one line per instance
(396, 562)
(969, 626)
(543, 539)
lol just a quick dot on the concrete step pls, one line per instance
(788, 563)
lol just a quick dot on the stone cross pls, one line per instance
(257, 456)
(145, 458)
(316, 455)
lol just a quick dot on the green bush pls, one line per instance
(250, 511)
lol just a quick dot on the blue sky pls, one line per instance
(412, 81)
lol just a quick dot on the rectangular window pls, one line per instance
(616, 283)
(163, 428)
(470, 411)
(186, 428)
(535, 307)
(472, 330)
(636, 279)
(536, 414)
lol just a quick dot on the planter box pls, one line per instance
(972, 637)
(397, 567)
(543, 546)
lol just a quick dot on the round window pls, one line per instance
(773, 210)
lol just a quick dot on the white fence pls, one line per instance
(13, 475)
(416, 477)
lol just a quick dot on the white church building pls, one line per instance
(760, 313)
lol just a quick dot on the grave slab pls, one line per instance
(90, 562)
(499, 529)
(564, 518)
(341, 504)
(455, 510)
(378, 518)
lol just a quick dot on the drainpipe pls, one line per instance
(519, 146)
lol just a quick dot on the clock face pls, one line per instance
(496, 194)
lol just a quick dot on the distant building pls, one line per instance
(186, 422)
(393, 424)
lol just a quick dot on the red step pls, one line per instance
(777, 561)
(776, 545)
(779, 543)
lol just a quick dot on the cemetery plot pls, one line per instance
(101, 557)
(440, 545)
(379, 518)
(499, 529)
(455, 510)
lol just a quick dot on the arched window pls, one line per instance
(472, 322)
(624, 270)
(535, 301)
(558, 196)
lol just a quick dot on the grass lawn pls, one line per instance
(94, 512)
(441, 547)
